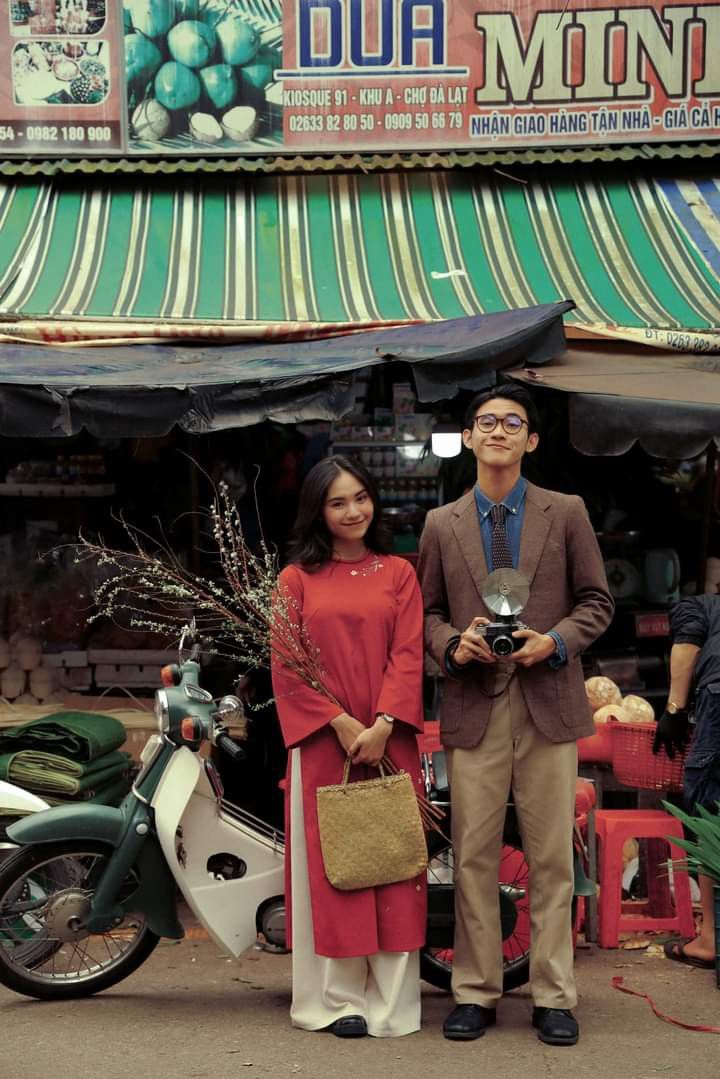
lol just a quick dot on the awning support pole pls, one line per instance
(708, 506)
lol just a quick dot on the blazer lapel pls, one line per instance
(466, 527)
(536, 525)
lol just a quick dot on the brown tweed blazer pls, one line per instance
(560, 557)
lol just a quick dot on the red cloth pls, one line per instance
(365, 618)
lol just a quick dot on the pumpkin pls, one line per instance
(611, 711)
(176, 86)
(238, 40)
(640, 710)
(191, 42)
(12, 682)
(220, 85)
(601, 690)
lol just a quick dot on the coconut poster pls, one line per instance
(200, 75)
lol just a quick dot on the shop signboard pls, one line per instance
(236, 77)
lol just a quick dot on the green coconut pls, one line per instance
(238, 40)
(253, 80)
(151, 120)
(142, 58)
(177, 86)
(267, 55)
(220, 84)
(191, 42)
(152, 17)
(187, 9)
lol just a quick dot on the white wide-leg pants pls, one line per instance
(383, 988)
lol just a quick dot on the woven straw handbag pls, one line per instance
(371, 831)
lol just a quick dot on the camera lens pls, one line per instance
(503, 646)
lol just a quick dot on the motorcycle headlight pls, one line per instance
(162, 711)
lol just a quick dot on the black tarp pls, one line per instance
(668, 402)
(143, 390)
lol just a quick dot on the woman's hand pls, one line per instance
(347, 729)
(369, 746)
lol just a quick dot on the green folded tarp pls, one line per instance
(49, 773)
(82, 736)
(111, 794)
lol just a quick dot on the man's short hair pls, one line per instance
(509, 391)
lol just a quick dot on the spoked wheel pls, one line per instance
(46, 950)
(437, 955)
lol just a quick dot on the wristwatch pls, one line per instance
(674, 709)
(386, 717)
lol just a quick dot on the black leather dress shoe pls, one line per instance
(556, 1026)
(350, 1026)
(467, 1022)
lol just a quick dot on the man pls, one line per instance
(512, 723)
(695, 662)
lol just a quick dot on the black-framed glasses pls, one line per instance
(512, 424)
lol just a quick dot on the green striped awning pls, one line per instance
(633, 253)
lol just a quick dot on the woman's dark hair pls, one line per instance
(508, 391)
(311, 543)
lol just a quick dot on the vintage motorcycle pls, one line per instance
(86, 898)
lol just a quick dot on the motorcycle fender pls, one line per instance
(14, 800)
(156, 896)
(172, 795)
(104, 824)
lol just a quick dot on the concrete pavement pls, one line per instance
(193, 1013)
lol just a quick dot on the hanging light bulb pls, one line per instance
(446, 440)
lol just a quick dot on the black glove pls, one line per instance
(673, 731)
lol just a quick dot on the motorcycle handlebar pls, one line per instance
(225, 742)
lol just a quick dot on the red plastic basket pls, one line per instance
(634, 763)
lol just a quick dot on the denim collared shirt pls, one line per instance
(514, 503)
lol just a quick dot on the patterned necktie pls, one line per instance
(500, 548)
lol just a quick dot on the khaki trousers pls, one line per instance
(513, 754)
(383, 988)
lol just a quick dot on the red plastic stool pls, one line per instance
(614, 827)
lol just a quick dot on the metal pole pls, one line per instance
(708, 504)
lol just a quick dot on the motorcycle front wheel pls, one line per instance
(45, 950)
(437, 955)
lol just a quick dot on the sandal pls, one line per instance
(675, 949)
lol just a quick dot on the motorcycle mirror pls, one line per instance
(229, 707)
(189, 638)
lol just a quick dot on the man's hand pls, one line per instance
(673, 731)
(537, 647)
(347, 729)
(369, 747)
(472, 645)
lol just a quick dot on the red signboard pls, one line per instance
(652, 624)
(233, 77)
(62, 86)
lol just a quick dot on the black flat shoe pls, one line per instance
(467, 1022)
(556, 1026)
(350, 1026)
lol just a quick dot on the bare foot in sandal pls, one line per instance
(692, 953)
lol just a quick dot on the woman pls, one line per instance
(355, 953)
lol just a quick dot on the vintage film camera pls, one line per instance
(505, 593)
